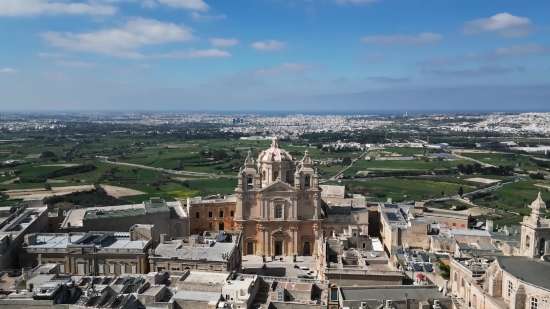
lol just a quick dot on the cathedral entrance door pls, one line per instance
(307, 249)
(250, 248)
(278, 248)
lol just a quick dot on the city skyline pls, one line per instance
(274, 55)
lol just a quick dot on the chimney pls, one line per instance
(162, 238)
(390, 200)
(30, 239)
(489, 226)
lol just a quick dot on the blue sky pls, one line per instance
(274, 55)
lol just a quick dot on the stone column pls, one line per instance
(294, 201)
(239, 207)
(315, 238)
(294, 231)
(547, 247)
(260, 232)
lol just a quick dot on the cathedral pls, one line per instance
(278, 205)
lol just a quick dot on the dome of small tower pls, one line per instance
(274, 153)
(538, 204)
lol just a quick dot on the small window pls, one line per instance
(307, 181)
(62, 268)
(209, 214)
(278, 211)
(534, 303)
(249, 180)
(112, 269)
(221, 213)
(197, 215)
(334, 294)
(232, 213)
(101, 269)
(510, 288)
(210, 225)
(134, 269)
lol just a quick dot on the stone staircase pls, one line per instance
(457, 304)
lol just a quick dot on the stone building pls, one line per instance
(278, 205)
(170, 218)
(220, 253)
(15, 223)
(211, 214)
(391, 297)
(514, 282)
(94, 253)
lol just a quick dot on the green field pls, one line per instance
(417, 164)
(516, 196)
(496, 158)
(401, 189)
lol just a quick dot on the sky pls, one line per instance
(274, 55)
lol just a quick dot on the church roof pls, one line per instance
(526, 269)
(274, 153)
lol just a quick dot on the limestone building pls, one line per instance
(278, 204)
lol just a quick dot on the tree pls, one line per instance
(460, 191)
(443, 193)
(346, 161)
(47, 186)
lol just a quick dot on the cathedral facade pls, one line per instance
(278, 204)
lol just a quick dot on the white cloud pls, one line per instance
(422, 38)
(52, 55)
(122, 42)
(204, 17)
(268, 45)
(76, 64)
(504, 24)
(220, 42)
(287, 68)
(8, 70)
(194, 53)
(198, 5)
(40, 7)
(521, 50)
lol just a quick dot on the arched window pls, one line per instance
(510, 288)
(278, 211)
(534, 303)
(263, 175)
(527, 241)
(542, 245)
(275, 175)
(307, 181)
(249, 180)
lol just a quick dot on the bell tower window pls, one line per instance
(249, 180)
(307, 181)
(275, 175)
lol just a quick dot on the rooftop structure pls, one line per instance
(219, 253)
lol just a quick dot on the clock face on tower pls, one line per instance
(250, 196)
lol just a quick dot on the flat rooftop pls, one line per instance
(461, 232)
(333, 191)
(205, 277)
(107, 241)
(397, 292)
(175, 249)
(197, 296)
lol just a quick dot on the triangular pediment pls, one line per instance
(279, 186)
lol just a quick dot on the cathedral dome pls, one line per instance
(274, 153)
(538, 204)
